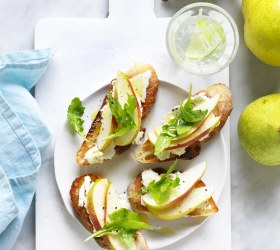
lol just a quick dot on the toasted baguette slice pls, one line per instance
(104, 242)
(206, 209)
(151, 92)
(81, 211)
(145, 152)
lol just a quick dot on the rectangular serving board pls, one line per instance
(88, 54)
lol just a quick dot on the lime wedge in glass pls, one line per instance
(205, 41)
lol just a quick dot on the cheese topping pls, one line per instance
(109, 152)
(140, 84)
(138, 138)
(83, 192)
(197, 101)
(149, 175)
(94, 155)
(165, 154)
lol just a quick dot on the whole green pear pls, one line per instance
(262, 29)
(259, 129)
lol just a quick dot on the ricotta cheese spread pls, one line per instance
(83, 192)
(149, 175)
(165, 154)
(199, 98)
(94, 155)
(140, 84)
(138, 138)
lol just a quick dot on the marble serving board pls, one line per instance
(88, 54)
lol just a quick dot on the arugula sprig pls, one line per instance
(124, 116)
(160, 190)
(180, 124)
(74, 116)
(123, 223)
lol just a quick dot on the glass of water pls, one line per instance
(202, 38)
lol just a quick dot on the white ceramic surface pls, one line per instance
(122, 169)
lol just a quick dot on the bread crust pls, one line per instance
(145, 152)
(85, 218)
(81, 211)
(74, 195)
(136, 185)
(93, 132)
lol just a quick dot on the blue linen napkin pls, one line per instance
(23, 136)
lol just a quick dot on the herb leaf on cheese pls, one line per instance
(74, 116)
(124, 116)
(123, 223)
(182, 123)
(163, 142)
(160, 190)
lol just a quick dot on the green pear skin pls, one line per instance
(262, 29)
(259, 130)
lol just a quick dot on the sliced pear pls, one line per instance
(188, 180)
(105, 129)
(152, 137)
(197, 197)
(157, 131)
(112, 204)
(109, 152)
(140, 84)
(97, 197)
(207, 126)
(209, 104)
(122, 88)
(126, 139)
(207, 208)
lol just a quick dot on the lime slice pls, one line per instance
(205, 41)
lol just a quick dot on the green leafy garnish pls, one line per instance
(74, 116)
(163, 142)
(182, 123)
(124, 116)
(123, 223)
(160, 190)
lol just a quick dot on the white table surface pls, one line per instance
(255, 188)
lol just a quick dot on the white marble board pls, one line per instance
(88, 54)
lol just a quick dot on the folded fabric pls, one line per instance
(23, 136)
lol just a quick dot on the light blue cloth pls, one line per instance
(23, 135)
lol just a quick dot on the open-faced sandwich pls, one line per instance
(170, 195)
(193, 122)
(117, 125)
(99, 208)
